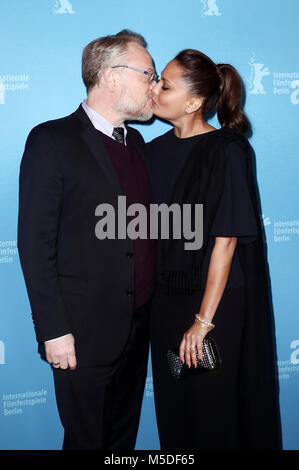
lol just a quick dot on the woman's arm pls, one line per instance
(219, 268)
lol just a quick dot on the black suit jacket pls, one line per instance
(76, 283)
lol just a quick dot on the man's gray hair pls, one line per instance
(106, 51)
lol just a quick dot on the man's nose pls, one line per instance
(154, 87)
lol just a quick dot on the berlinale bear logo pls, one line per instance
(210, 8)
(258, 72)
(62, 7)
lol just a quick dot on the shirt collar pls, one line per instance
(100, 123)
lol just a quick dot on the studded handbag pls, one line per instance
(211, 360)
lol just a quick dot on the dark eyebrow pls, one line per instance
(165, 79)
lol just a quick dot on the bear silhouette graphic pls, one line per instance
(210, 8)
(63, 6)
(258, 72)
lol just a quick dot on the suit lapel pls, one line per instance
(92, 138)
(94, 142)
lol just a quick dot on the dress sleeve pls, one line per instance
(236, 216)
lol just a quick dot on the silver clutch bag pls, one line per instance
(211, 360)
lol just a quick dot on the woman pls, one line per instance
(224, 282)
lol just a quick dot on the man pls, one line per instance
(90, 297)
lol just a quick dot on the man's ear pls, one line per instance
(111, 78)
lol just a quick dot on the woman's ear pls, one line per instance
(194, 104)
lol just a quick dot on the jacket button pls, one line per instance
(129, 254)
(130, 292)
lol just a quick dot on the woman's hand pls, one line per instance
(219, 268)
(192, 342)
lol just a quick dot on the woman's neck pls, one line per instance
(188, 128)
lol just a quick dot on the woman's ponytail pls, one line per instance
(229, 110)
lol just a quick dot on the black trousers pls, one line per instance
(201, 411)
(99, 407)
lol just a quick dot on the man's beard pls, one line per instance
(131, 110)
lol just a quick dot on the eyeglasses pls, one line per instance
(150, 75)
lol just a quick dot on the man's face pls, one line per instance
(135, 101)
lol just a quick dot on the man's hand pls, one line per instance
(61, 352)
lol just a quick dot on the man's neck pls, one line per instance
(105, 110)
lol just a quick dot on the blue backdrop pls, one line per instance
(40, 79)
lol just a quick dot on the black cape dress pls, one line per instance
(235, 406)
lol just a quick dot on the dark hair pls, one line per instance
(220, 86)
(105, 51)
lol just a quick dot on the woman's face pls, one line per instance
(171, 95)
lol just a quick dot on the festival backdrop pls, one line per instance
(40, 79)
